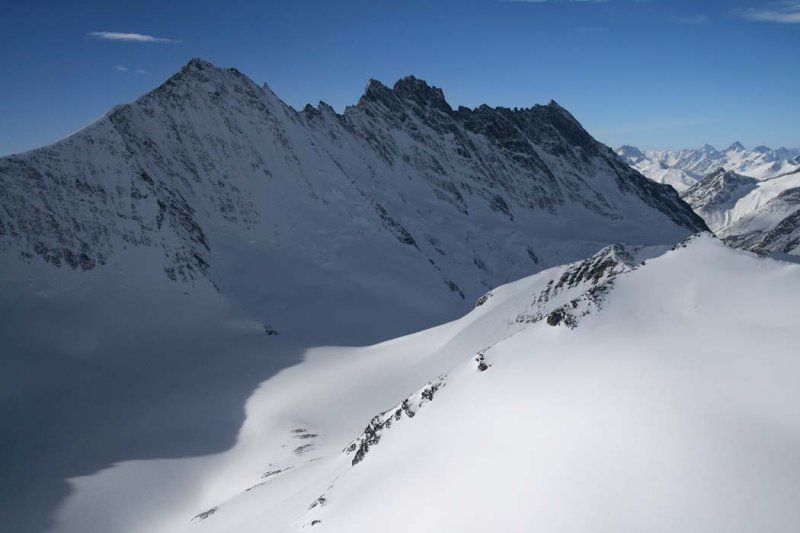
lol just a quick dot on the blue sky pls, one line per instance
(655, 73)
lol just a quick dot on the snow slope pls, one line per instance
(684, 168)
(608, 395)
(148, 261)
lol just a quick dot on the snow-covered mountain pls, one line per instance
(210, 163)
(715, 195)
(159, 264)
(684, 168)
(638, 390)
(762, 216)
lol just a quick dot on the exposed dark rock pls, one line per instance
(271, 473)
(498, 203)
(483, 299)
(371, 435)
(556, 317)
(303, 448)
(454, 288)
(319, 502)
(397, 229)
(482, 365)
(205, 514)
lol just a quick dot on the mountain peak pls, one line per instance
(196, 69)
(630, 152)
(719, 171)
(709, 149)
(407, 89)
(736, 147)
(418, 91)
(374, 85)
(375, 91)
(197, 63)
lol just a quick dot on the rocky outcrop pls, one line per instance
(579, 289)
(381, 422)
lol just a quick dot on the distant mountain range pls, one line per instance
(750, 198)
(684, 168)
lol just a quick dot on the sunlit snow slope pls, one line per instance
(608, 395)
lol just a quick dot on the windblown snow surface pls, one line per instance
(638, 390)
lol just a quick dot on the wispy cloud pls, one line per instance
(136, 71)
(782, 12)
(129, 37)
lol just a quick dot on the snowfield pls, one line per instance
(639, 390)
